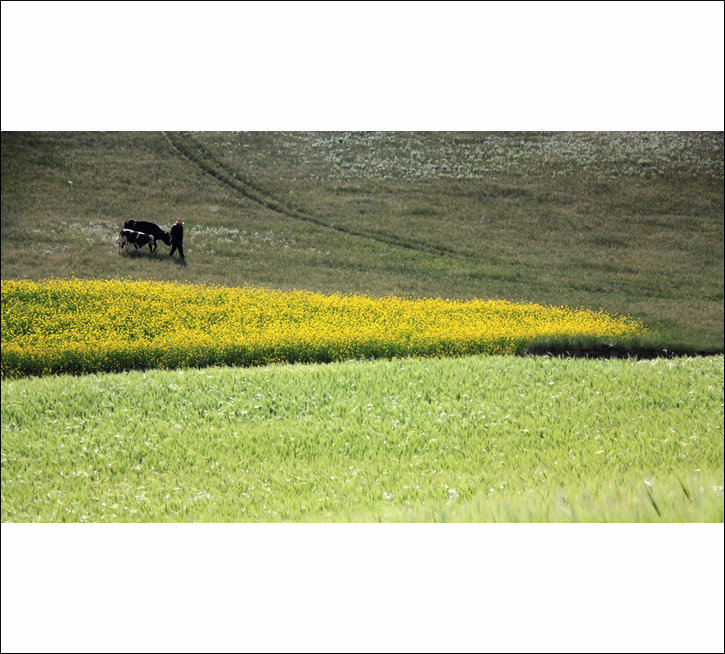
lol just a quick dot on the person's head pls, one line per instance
(179, 222)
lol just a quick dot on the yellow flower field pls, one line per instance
(79, 326)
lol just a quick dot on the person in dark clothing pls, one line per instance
(177, 238)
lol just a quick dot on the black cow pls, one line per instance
(137, 239)
(149, 228)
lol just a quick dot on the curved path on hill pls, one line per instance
(199, 156)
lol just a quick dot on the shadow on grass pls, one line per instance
(157, 256)
(615, 351)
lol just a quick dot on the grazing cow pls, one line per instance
(137, 239)
(149, 228)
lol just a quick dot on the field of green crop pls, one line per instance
(348, 245)
(486, 438)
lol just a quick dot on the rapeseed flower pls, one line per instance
(85, 326)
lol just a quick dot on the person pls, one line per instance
(177, 238)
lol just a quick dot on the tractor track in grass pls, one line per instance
(199, 156)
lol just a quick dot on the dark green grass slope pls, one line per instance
(632, 223)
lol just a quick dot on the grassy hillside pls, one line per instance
(628, 222)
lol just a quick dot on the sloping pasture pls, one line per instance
(630, 223)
